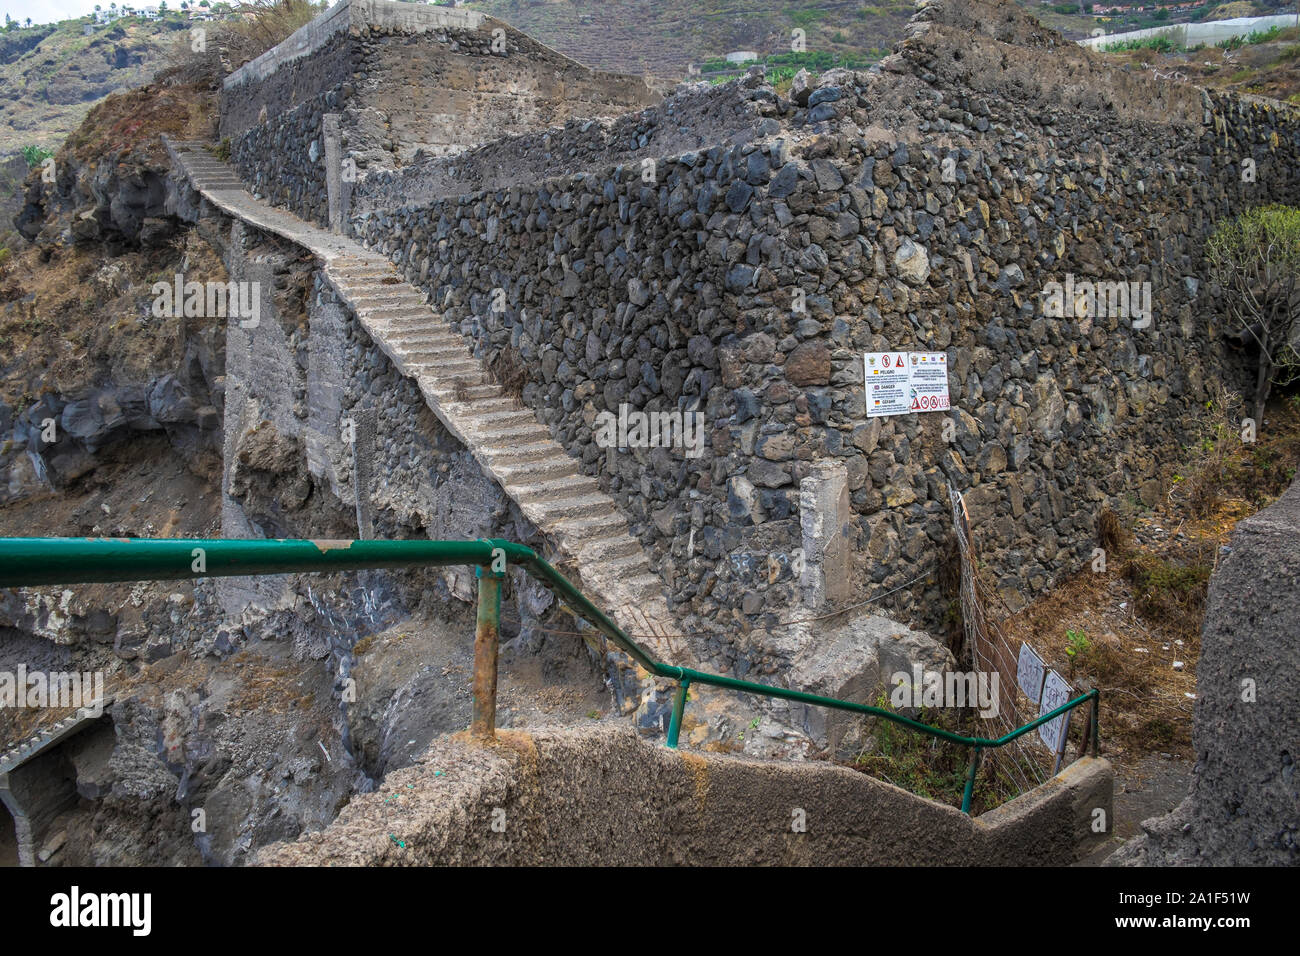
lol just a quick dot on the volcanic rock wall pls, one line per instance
(925, 207)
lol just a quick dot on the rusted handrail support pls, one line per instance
(486, 639)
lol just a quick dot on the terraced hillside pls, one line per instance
(663, 37)
(52, 74)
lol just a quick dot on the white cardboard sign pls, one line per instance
(1029, 672)
(1055, 693)
(902, 382)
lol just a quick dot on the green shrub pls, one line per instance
(35, 155)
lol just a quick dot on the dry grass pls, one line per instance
(264, 24)
(131, 121)
(508, 371)
(228, 45)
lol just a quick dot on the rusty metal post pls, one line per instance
(485, 653)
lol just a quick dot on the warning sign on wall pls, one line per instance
(929, 381)
(889, 389)
(903, 382)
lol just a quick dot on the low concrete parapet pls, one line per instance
(604, 796)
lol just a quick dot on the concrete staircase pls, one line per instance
(504, 437)
(47, 737)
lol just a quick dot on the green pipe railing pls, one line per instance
(36, 561)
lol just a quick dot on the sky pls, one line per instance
(51, 11)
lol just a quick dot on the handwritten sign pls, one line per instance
(1055, 693)
(1029, 672)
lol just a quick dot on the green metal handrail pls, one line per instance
(35, 561)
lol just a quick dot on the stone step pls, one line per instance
(443, 370)
(435, 352)
(435, 355)
(627, 564)
(378, 303)
(346, 268)
(431, 339)
(521, 432)
(647, 583)
(567, 484)
(542, 469)
(371, 284)
(504, 417)
(601, 526)
(580, 506)
(471, 393)
(492, 405)
(376, 282)
(610, 548)
(415, 318)
(521, 453)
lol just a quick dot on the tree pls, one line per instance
(1255, 262)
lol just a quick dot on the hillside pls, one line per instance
(1263, 65)
(52, 74)
(663, 37)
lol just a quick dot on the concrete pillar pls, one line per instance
(35, 793)
(338, 186)
(362, 463)
(328, 434)
(824, 520)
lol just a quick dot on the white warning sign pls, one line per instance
(902, 382)
(928, 381)
(889, 390)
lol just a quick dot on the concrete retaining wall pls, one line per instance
(602, 796)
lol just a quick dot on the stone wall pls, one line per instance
(699, 116)
(683, 294)
(327, 68)
(406, 79)
(283, 160)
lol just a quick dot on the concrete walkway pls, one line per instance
(505, 438)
